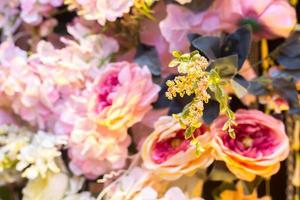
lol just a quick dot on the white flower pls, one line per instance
(12, 140)
(52, 187)
(40, 155)
(55, 187)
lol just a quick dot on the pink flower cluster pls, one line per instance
(101, 10)
(45, 80)
(120, 96)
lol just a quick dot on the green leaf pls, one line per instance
(189, 132)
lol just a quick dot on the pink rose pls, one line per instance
(123, 95)
(269, 18)
(101, 115)
(259, 146)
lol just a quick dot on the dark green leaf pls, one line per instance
(147, 55)
(208, 46)
(238, 43)
(211, 111)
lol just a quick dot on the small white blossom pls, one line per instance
(40, 155)
(12, 140)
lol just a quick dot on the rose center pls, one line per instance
(167, 148)
(252, 140)
(106, 88)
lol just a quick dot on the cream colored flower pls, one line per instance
(51, 187)
(57, 186)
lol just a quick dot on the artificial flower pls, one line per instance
(259, 146)
(46, 80)
(40, 156)
(50, 187)
(101, 10)
(269, 19)
(107, 109)
(123, 95)
(94, 150)
(170, 155)
(57, 186)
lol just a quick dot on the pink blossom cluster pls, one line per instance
(46, 79)
(120, 96)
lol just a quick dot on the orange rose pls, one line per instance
(259, 146)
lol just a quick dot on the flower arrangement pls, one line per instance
(149, 100)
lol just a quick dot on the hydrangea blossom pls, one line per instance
(46, 79)
(101, 10)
